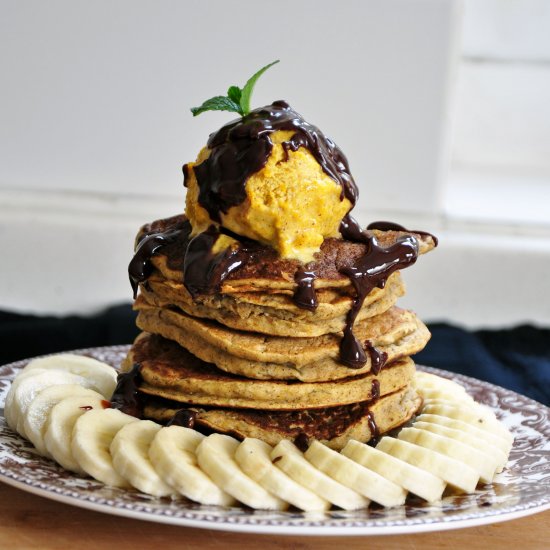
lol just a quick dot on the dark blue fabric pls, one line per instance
(517, 358)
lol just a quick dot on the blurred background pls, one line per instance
(442, 107)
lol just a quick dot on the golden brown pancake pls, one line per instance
(271, 313)
(171, 372)
(396, 332)
(333, 426)
(266, 271)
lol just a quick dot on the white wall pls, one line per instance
(94, 128)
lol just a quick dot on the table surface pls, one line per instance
(30, 521)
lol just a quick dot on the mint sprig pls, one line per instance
(237, 99)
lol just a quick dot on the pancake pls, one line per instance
(264, 270)
(272, 313)
(332, 426)
(171, 372)
(397, 332)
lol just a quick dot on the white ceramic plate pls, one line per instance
(522, 489)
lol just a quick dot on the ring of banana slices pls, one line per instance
(60, 404)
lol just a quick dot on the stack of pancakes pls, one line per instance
(248, 361)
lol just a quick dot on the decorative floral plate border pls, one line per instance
(522, 489)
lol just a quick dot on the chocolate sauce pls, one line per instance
(370, 271)
(302, 442)
(140, 267)
(204, 271)
(126, 397)
(242, 148)
(86, 408)
(183, 417)
(374, 431)
(391, 226)
(377, 358)
(305, 295)
(375, 391)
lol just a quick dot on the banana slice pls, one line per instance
(499, 457)
(215, 455)
(438, 394)
(287, 457)
(481, 417)
(28, 388)
(420, 482)
(59, 427)
(425, 380)
(102, 377)
(498, 441)
(9, 408)
(452, 471)
(351, 474)
(485, 465)
(39, 409)
(130, 452)
(254, 458)
(92, 435)
(172, 453)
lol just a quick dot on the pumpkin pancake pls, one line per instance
(171, 372)
(396, 332)
(263, 270)
(333, 426)
(271, 313)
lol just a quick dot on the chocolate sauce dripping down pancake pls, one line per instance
(370, 271)
(392, 226)
(126, 396)
(160, 235)
(204, 271)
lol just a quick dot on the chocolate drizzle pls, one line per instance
(183, 417)
(377, 358)
(373, 428)
(204, 271)
(302, 442)
(140, 267)
(242, 148)
(126, 397)
(375, 390)
(391, 226)
(305, 295)
(370, 271)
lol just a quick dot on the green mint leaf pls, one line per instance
(249, 87)
(218, 103)
(236, 101)
(234, 93)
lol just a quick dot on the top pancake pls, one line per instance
(265, 270)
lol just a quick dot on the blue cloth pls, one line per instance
(517, 358)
